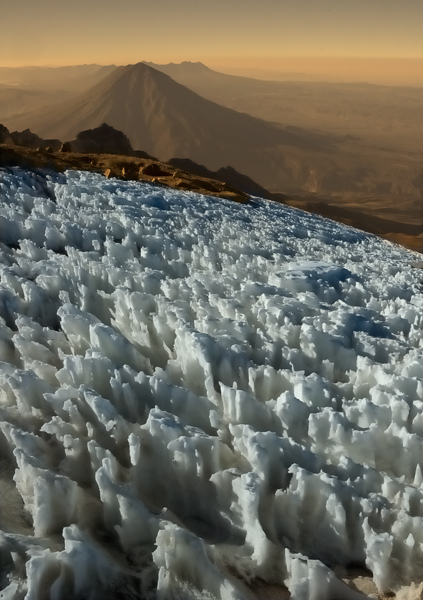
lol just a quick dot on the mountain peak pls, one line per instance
(185, 66)
(196, 65)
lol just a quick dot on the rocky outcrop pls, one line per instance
(27, 139)
(100, 140)
(227, 175)
(153, 170)
(118, 166)
(66, 147)
(4, 135)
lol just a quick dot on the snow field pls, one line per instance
(195, 393)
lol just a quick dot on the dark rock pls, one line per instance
(189, 166)
(113, 172)
(227, 175)
(101, 140)
(9, 157)
(153, 170)
(130, 170)
(66, 147)
(27, 139)
(242, 182)
(142, 154)
(53, 144)
(4, 134)
(186, 185)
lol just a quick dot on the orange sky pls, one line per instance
(222, 32)
(383, 71)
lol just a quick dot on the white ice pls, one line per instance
(195, 394)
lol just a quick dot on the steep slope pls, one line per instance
(167, 119)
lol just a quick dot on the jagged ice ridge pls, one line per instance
(195, 393)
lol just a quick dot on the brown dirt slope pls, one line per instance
(122, 167)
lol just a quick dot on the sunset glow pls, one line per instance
(278, 35)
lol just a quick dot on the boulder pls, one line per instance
(101, 140)
(153, 170)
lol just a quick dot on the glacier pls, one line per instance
(197, 394)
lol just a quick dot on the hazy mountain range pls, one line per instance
(166, 119)
(70, 78)
(27, 89)
(391, 115)
(15, 101)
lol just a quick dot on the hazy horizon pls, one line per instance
(379, 71)
(321, 39)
